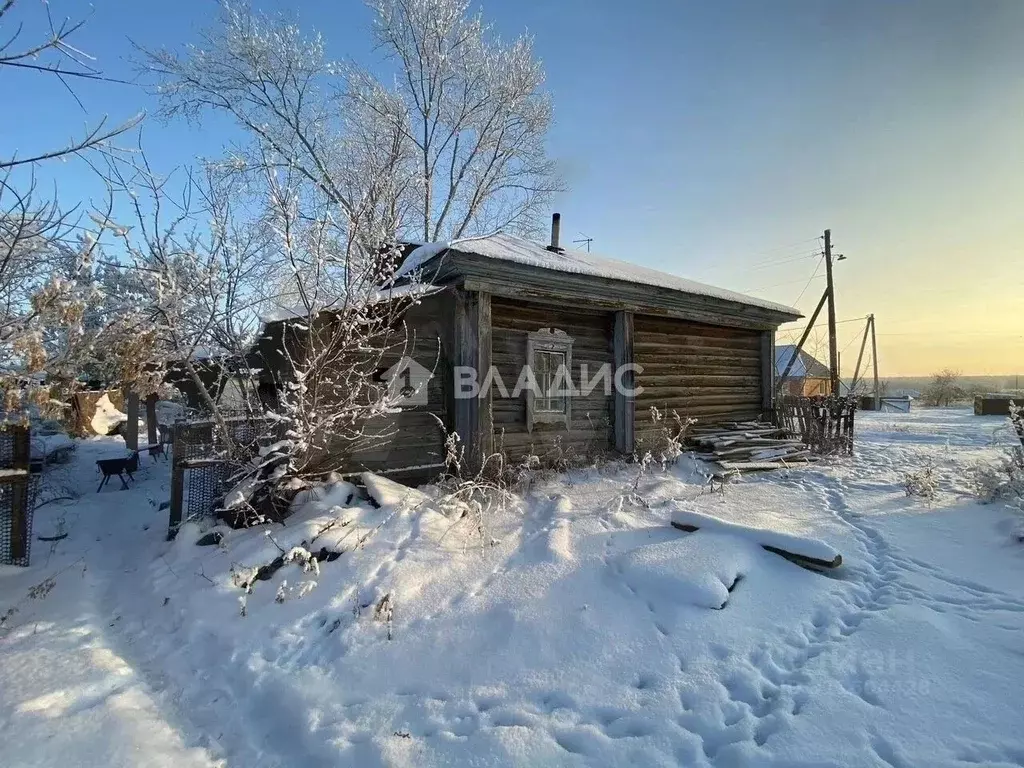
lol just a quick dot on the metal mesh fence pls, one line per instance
(202, 470)
(17, 488)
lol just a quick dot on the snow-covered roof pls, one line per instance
(514, 249)
(407, 290)
(805, 365)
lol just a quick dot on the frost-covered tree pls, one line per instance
(338, 166)
(53, 53)
(46, 258)
(944, 389)
(474, 111)
(453, 146)
(183, 279)
(45, 288)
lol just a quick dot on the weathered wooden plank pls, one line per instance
(804, 561)
(467, 409)
(624, 422)
(707, 394)
(750, 371)
(485, 421)
(694, 345)
(510, 405)
(649, 343)
(667, 331)
(768, 370)
(698, 381)
(706, 413)
(727, 410)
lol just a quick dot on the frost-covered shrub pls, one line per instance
(666, 442)
(472, 496)
(1017, 419)
(923, 483)
(1002, 480)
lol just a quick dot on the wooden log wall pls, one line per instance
(708, 372)
(590, 431)
(412, 438)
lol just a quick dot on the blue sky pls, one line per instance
(707, 139)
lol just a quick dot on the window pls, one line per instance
(545, 370)
(549, 355)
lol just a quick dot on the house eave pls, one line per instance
(537, 284)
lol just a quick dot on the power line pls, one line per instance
(776, 285)
(809, 281)
(786, 247)
(787, 260)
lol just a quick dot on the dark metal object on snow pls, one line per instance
(118, 468)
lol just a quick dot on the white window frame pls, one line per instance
(559, 342)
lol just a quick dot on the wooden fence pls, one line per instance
(825, 424)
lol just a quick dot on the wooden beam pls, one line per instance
(537, 284)
(20, 530)
(874, 363)
(833, 349)
(473, 415)
(800, 344)
(485, 421)
(768, 371)
(175, 516)
(625, 416)
(804, 561)
(860, 357)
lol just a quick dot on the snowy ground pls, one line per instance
(588, 633)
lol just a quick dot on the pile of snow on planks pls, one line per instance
(749, 445)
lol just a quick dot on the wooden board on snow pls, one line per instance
(751, 466)
(805, 552)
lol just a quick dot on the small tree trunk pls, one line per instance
(209, 403)
(152, 434)
(131, 430)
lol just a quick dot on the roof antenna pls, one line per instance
(556, 228)
(584, 239)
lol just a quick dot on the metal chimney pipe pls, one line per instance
(556, 227)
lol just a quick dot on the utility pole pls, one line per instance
(833, 352)
(874, 361)
(860, 355)
(800, 344)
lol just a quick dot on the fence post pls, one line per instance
(21, 518)
(152, 431)
(177, 482)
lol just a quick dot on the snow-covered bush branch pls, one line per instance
(46, 285)
(51, 52)
(184, 280)
(1004, 480)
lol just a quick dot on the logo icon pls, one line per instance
(407, 382)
